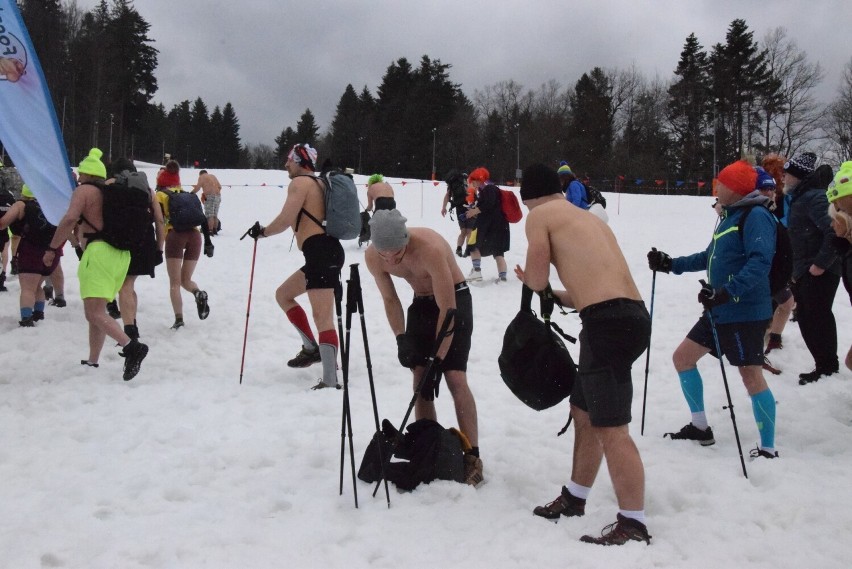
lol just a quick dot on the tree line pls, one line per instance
(740, 97)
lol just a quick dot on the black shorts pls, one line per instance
(422, 324)
(741, 342)
(384, 203)
(29, 258)
(324, 260)
(615, 332)
(4, 237)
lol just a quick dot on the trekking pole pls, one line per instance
(346, 415)
(648, 352)
(248, 308)
(725, 381)
(355, 301)
(442, 333)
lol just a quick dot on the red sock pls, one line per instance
(299, 319)
(328, 337)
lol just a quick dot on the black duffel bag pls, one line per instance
(534, 362)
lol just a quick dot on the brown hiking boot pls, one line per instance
(564, 505)
(774, 343)
(620, 532)
(473, 470)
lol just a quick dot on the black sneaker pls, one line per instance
(133, 354)
(305, 358)
(38, 315)
(59, 302)
(813, 376)
(178, 324)
(321, 385)
(620, 532)
(26, 322)
(48, 292)
(692, 433)
(760, 453)
(113, 311)
(566, 505)
(201, 304)
(87, 363)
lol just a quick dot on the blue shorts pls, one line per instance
(741, 342)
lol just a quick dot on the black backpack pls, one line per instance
(594, 195)
(126, 212)
(534, 363)
(781, 270)
(35, 227)
(425, 453)
(185, 211)
(456, 188)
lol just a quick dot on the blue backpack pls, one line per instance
(185, 211)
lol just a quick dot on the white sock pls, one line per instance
(638, 515)
(700, 420)
(578, 491)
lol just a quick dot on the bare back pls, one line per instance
(583, 250)
(428, 257)
(89, 203)
(209, 185)
(309, 193)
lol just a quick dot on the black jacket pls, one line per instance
(809, 225)
(492, 229)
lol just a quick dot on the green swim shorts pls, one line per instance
(102, 270)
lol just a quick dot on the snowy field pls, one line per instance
(183, 467)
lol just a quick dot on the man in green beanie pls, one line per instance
(102, 268)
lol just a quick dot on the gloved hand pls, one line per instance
(659, 261)
(709, 297)
(407, 352)
(256, 231)
(431, 383)
(158, 258)
(79, 251)
(208, 248)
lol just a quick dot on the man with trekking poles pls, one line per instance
(737, 305)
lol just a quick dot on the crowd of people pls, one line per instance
(743, 318)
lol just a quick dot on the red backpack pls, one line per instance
(511, 206)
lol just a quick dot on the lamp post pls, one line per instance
(360, 140)
(518, 144)
(433, 153)
(715, 165)
(110, 137)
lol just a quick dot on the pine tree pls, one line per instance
(591, 131)
(231, 144)
(689, 105)
(307, 129)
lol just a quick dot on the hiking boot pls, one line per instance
(321, 385)
(767, 365)
(305, 358)
(113, 311)
(565, 504)
(133, 354)
(459, 252)
(760, 453)
(178, 324)
(48, 292)
(813, 376)
(473, 470)
(201, 304)
(692, 433)
(132, 331)
(620, 532)
(59, 302)
(26, 322)
(3, 282)
(774, 343)
(38, 315)
(475, 275)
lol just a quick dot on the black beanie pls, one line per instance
(538, 181)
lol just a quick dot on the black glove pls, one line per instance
(208, 248)
(79, 251)
(710, 297)
(158, 258)
(659, 261)
(256, 231)
(407, 351)
(431, 382)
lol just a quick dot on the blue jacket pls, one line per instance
(740, 265)
(576, 194)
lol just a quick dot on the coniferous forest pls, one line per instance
(748, 96)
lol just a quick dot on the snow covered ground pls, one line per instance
(183, 467)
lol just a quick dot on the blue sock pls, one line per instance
(39, 306)
(477, 263)
(693, 389)
(26, 312)
(502, 274)
(763, 405)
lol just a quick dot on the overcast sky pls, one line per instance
(272, 59)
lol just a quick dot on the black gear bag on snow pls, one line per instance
(534, 362)
(126, 212)
(185, 211)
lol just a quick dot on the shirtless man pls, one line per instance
(211, 195)
(425, 260)
(303, 210)
(616, 331)
(102, 268)
(379, 194)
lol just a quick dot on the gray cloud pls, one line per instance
(273, 59)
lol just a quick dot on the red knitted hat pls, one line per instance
(479, 175)
(739, 177)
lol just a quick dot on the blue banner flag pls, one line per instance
(28, 126)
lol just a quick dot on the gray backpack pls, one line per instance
(342, 209)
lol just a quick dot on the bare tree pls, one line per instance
(793, 120)
(838, 123)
